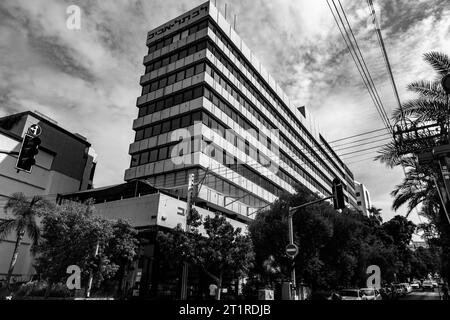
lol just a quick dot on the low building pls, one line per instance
(65, 163)
(149, 210)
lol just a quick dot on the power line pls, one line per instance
(367, 83)
(353, 152)
(361, 144)
(357, 135)
(365, 139)
(370, 80)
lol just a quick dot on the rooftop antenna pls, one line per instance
(234, 24)
(225, 11)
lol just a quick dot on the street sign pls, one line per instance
(291, 250)
(35, 130)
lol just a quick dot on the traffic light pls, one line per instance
(338, 194)
(27, 153)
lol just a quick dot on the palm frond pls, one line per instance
(429, 89)
(6, 227)
(16, 202)
(439, 61)
(388, 154)
(421, 110)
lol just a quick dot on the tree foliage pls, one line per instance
(70, 234)
(220, 249)
(335, 248)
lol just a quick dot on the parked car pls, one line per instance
(350, 294)
(435, 284)
(370, 294)
(407, 287)
(427, 285)
(400, 290)
(415, 286)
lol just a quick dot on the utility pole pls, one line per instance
(190, 197)
(291, 248)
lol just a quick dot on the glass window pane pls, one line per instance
(185, 121)
(184, 34)
(191, 50)
(135, 160)
(163, 153)
(159, 105)
(167, 41)
(171, 79)
(157, 64)
(178, 99)
(151, 108)
(176, 37)
(165, 127)
(175, 123)
(182, 54)
(153, 86)
(148, 132)
(187, 95)
(157, 129)
(190, 72)
(199, 68)
(153, 155)
(168, 102)
(139, 135)
(196, 116)
(201, 46)
(142, 111)
(180, 76)
(197, 92)
(144, 158)
(162, 82)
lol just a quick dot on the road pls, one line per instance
(422, 295)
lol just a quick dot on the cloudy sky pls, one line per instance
(88, 79)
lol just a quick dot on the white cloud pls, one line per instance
(88, 80)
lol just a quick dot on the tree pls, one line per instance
(335, 248)
(24, 223)
(70, 235)
(219, 250)
(419, 185)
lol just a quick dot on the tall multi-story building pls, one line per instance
(208, 105)
(65, 163)
(362, 198)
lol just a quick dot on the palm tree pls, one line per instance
(24, 222)
(430, 107)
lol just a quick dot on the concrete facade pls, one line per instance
(202, 84)
(65, 163)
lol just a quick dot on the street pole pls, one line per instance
(91, 275)
(189, 199)
(291, 213)
(291, 241)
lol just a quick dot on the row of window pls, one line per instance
(249, 68)
(246, 125)
(177, 36)
(172, 57)
(168, 125)
(171, 100)
(180, 178)
(254, 153)
(189, 72)
(271, 110)
(240, 98)
(171, 78)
